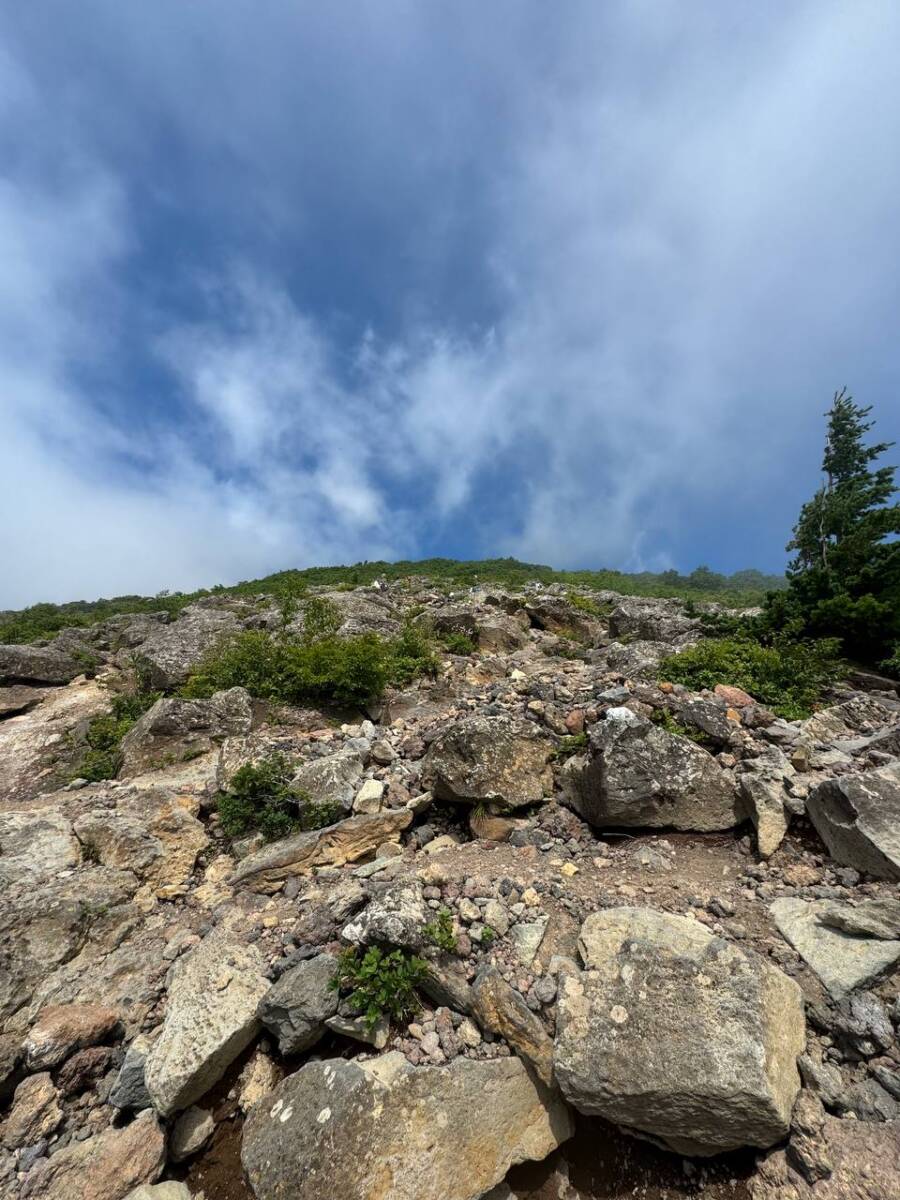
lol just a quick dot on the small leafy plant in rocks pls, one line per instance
(381, 982)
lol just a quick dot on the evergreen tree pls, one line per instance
(845, 576)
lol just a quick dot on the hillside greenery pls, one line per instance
(740, 590)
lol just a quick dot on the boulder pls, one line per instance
(210, 1018)
(863, 1163)
(347, 841)
(333, 779)
(296, 1008)
(170, 1190)
(35, 1112)
(175, 730)
(172, 651)
(844, 959)
(490, 759)
(762, 784)
(129, 1089)
(18, 699)
(37, 664)
(652, 620)
(105, 1167)
(639, 776)
(384, 1130)
(190, 1133)
(35, 845)
(500, 1009)
(858, 819)
(678, 1035)
(398, 917)
(62, 1029)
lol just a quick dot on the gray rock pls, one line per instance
(858, 819)
(383, 1129)
(170, 1190)
(678, 1035)
(861, 1026)
(172, 651)
(637, 775)
(360, 1030)
(491, 759)
(876, 918)
(37, 664)
(398, 918)
(762, 785)
(842, 960)
(296, 1008)
(129, 1089)
(176, 730)
(190, 1133)
(210, 1018)
(35, 845)
(652, 620)
(333, 779)
(526, 937)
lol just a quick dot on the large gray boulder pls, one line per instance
(678, 1035)
(638, 775)
(333, 778)
(652, 620)
(763, 787)
(296, 1008)
(383, 1130)
(172, 651)
(37, 664)
(210, 1018)
(858, 819)
(490, 759)
(176, 730)
(844, 958)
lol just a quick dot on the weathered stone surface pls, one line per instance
(35, 1112)
(398, 917)
(637, 775)
(296, 1008)
(500, 1009)
(370, 797)
(171, 651)
(335, 845)
(35, 845)
(858, 819)
(61, 1030)
(333, 779)
(130, 1089)
(37, 664)
(170, 1190)
(105, 1167)
(190, 1133)
(35, 745)
(843, 960)
(652, 620)
(878, 917)
(499, 760)
(210, 1019)
(678, 1035)
(388, 1131)
(175, 730)
(864, 1161)
(19, 698)
(762, 786)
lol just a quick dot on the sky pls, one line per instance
(285, 283)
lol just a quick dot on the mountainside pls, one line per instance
(427, 882)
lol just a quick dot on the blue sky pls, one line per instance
(286, 283)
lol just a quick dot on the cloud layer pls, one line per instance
(405, 279)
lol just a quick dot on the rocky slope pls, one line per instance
(683, 932)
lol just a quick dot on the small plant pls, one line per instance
(458, 643)
(321, 618)
(571, 744)
(317, 814)
(261, 797)
(440, 933)
(102, 755)
(487, 937)
(381, 982)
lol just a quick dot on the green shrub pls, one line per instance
(789, 677)
(892, 664)
(261, 797)
(570, 744)
(439, 932)
(458, 643)
(381, 982)
(102, 755)
(410, 655)
(586, 605)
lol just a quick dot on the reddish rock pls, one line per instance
(61, 1030)
(575, 721)
(734, 697)
(83, 1070)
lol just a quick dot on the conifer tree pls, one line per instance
(845, 576)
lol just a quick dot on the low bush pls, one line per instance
(381, 982)
(458, 643)
(440, 933)
(262, 797)
(319, 668)
(101, 755)
(571, 744)
(789, 677)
